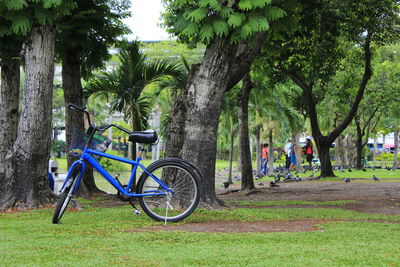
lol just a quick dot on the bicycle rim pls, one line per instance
(173, 206)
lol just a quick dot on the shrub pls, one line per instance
(113, 165)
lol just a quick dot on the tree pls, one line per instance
(244, 141)
(123, 86)
(234, 33)
(24, 183)
(310, 57)
(83, 40)
(10, 47)
(229, 122)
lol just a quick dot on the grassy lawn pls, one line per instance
(100, 236)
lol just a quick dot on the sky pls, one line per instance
(144, 20)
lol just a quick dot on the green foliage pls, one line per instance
(21, 15)
(114, 165)
(173, 50)
(58, 146)
(204, 20)
(123, 87)
(386, 157)
(89, 30)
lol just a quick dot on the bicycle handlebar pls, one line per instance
(83, 109)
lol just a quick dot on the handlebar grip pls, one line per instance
(76, 107)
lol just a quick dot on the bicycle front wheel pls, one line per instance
(172, 206)
(66, 195)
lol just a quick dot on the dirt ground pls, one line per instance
(370, 197)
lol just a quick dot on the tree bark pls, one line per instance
(9, 104)
(375, 150)
(270, 152)
(73, 93)
(223, 65)
(359, 146)
(396, 149)
(244, 143)
(25, 181)
(176, 125)
(232, 143)
(258, 150)
(324, 157)
(344, 152)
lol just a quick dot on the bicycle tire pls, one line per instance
(65, 196)
(178, 176)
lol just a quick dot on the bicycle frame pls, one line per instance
(88, 158)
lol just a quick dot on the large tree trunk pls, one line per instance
(73, 93)
(9, 104)
(25, 181)
(359, 146)
(324, 157)
(396, 149)
(176, 125)
(223, 65)
(324, 142)
(244, 142)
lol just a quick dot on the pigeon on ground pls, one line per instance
(364, 169)
(272, 184)
(350, 170)
(374, 178)
(225, 185)
(346, 180)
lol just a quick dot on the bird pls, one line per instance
(312, 175)
(350, 170)
(225, 185)
(364, 169)
(346, 180)
(272, 184)
(374, 178)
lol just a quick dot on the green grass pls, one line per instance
(103, 237)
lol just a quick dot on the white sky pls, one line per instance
(144, 20)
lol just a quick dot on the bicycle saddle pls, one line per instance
(144, 137)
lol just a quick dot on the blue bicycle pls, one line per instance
(167, 190)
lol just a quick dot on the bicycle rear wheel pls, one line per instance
(171, 206)
(66, 195)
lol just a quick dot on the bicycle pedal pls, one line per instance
(137, 212)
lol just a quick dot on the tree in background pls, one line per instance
(310, 57)
(24, 183)
(234, 33)
(83, 40)
(123, 87)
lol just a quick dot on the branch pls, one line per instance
(311, 105)
(360, 93)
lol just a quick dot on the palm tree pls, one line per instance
(273, 108)
(124, 85)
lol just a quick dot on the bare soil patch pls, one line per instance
(241, 227)
(379, 197)
(382, 197)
